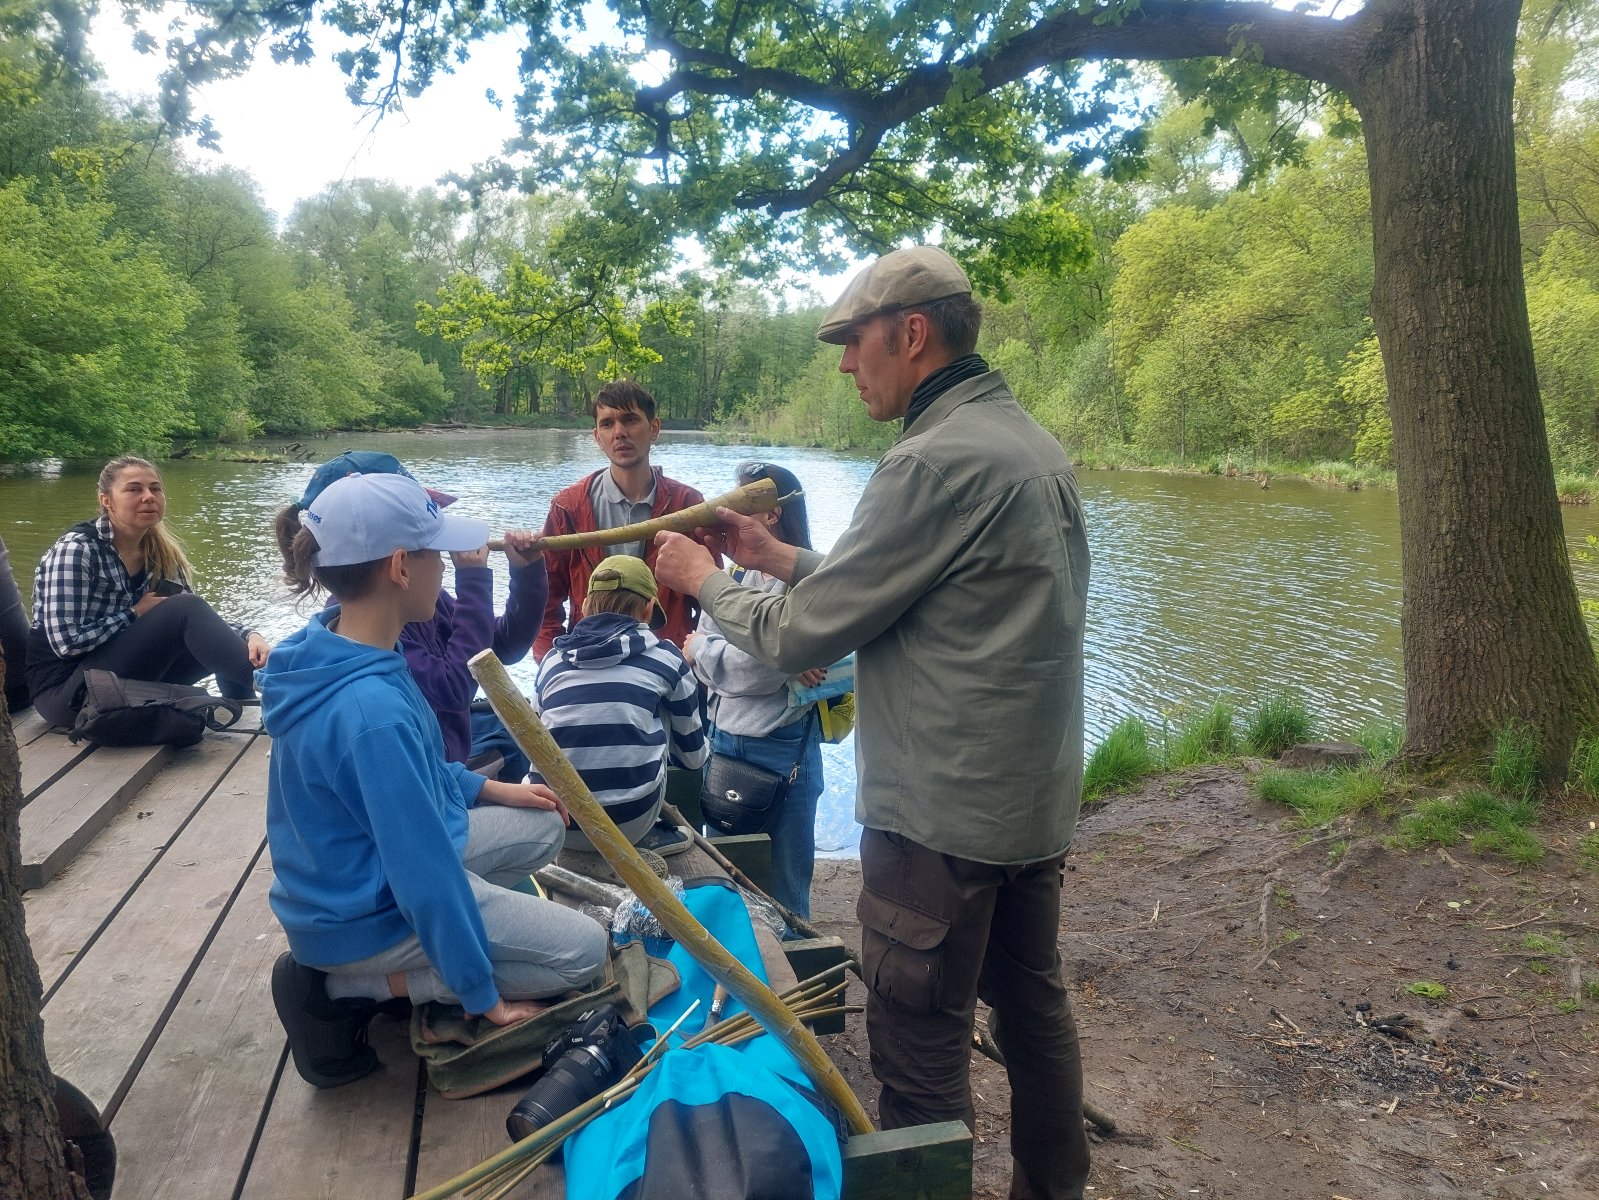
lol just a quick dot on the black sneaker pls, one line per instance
(327, 1037)
(399, 1008)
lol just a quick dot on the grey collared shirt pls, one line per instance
(612, 510)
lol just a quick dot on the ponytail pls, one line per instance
(298, 546)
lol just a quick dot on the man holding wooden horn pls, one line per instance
(961, 583)
(628, 491)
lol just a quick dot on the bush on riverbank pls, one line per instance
(1130, 753)
(1279, 721)
(1120, 761)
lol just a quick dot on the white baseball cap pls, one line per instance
(362, 518)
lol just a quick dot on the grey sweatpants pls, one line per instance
(538, 947)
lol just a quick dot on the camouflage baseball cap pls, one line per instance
(898, 280)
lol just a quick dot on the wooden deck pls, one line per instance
(148, 918)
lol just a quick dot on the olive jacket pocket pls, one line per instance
(902, 952)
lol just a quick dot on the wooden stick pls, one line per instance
(580, 886)
(983, 1042)
(524, 726)
(796, 922)
(758, 497)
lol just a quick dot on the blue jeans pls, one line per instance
(490, 734)
(793, 829)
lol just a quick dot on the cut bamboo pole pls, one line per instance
(774, 1016)
(749, 500)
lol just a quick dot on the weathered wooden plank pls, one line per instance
(46, 760)
(62, 819)
(67, 914)
(811, 956)
(249, 721)
(750, 853)
(925, 1162)
(116, 997)
(459, 1134)
(28, 725)
(350, 1143)
(187, 1123)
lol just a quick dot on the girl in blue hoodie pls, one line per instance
(393, 866)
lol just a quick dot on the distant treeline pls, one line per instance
(1221, 318)
(145, 301)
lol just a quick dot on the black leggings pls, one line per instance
(180, 640)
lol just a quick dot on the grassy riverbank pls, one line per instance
(1494, 809)
(1312, 983)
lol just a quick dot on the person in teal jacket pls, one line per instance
(393, 865)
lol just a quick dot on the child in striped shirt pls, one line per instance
(620, 702)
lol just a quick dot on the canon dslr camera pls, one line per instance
(589, 1057)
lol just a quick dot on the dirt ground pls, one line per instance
(1240, 986)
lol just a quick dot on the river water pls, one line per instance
(1202, 587)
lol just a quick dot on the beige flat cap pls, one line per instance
(899, 279)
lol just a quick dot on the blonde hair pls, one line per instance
(617, 600)
(164, 557)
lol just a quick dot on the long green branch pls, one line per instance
(536, 742)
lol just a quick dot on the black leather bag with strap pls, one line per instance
(136, 712)
(739, 797)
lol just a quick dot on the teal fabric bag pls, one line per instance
(717, 1122)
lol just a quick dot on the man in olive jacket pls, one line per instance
(961, 584)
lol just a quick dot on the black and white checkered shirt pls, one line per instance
(82, 593)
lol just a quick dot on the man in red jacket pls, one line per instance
(629, 490)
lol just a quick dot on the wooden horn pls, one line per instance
(758, 497)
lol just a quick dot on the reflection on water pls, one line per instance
(1202, 587)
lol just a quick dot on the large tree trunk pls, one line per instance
(32, 1152)
(1491, 624)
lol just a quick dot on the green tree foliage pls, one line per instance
(1364, 390)
(819, 407)
(733, 355)
(88, 324)
(388, 248)
(584, 326)
(251, 340)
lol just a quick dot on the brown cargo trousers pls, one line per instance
(937, 932)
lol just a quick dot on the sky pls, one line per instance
(294, 129)
(296, 132)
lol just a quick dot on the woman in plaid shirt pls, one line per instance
(114, 594)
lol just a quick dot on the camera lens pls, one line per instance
(599, 1050)
(580, 1074)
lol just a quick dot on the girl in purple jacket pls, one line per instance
(463, 624)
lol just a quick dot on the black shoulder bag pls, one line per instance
(739, 797)
(136, 712)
